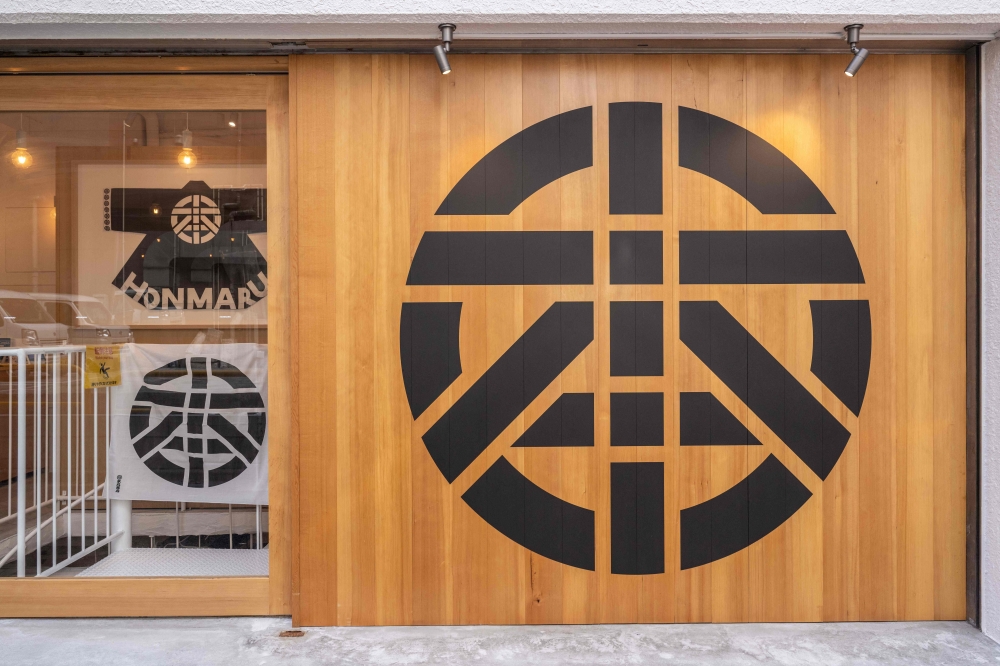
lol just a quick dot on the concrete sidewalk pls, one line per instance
(231, 641)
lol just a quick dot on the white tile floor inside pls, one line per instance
(168, 562)
(256, 641)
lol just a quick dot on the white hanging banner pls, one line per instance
(189, 424)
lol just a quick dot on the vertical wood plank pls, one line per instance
(466, 145)
(584, 473)
(949, 351)
(914, 317)
(431, 500)
(656, 591)
(692, 194)
(280, 350)
(393, 493)
(542, 212)
(840, 499)
(728, 211)
(619, 593)
(770, 578)
(505, 324)
(801, 141)
(314, 90)
(355, 279)
(877, 227)
(295, 449)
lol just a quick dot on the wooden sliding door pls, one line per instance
(616, 338)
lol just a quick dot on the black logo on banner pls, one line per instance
(726, 153)
(196, 252)
(193, 431)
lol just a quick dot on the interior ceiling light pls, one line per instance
(186, 158)
(21, 158)
(853, 37)
(232, 120)
(442, 49)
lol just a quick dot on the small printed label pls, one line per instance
(103, 366)
(4, 342)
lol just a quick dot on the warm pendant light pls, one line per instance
(186, 158)
(21, 158)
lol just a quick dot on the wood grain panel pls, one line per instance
(466, 137)
(112, 64)
(947, 177)
(279, 357)
(384, 538)
(878, 539)
(390, 111)
(317, 538)
(727, 211)
(584, 474)
(691, 210)
(132, 92)
(354, 270)
(134, 597)
(506, 561)
(653, 78)
(540, 99)
(429, 184)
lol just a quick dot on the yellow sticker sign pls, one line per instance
(103, 366)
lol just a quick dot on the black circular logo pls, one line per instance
(197, 422)
(717, 149)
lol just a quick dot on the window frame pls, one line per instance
(165, 84)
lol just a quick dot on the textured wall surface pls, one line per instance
(991, 344)
(409, 18)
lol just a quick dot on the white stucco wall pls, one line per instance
(991, 344)
(318, 19)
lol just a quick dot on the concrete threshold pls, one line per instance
(226, 641)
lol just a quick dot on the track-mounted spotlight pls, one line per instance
(442, 49)
(853, 37)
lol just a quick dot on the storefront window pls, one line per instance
(133, 345)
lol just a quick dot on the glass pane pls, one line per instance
(133, 272)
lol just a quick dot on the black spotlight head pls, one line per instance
(442, 59)
(856, 62)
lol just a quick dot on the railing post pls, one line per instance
(22, 455)
(121, 520)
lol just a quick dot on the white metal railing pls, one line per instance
(68, 450)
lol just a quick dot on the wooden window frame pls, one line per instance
(164, 84)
